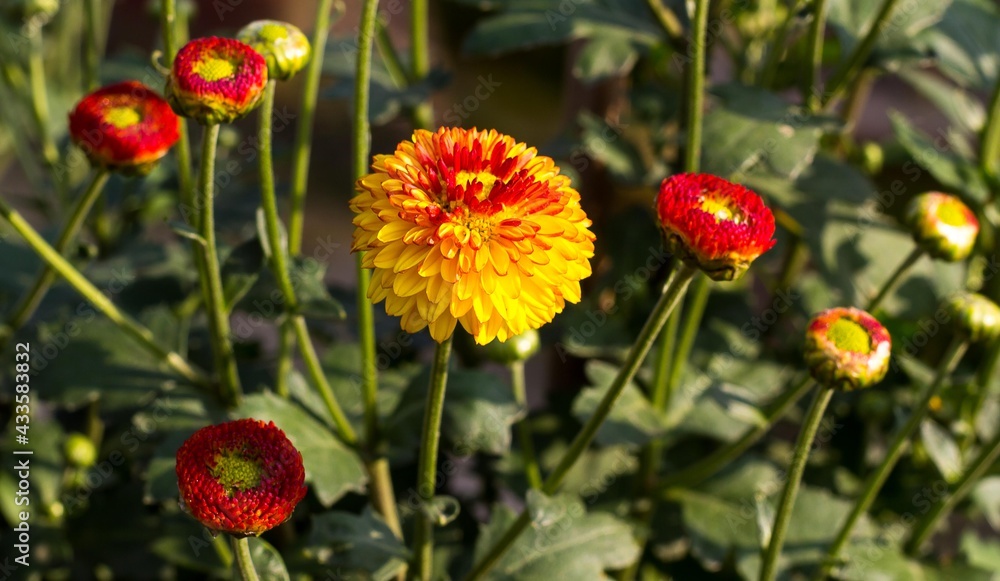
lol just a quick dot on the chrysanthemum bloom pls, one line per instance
(847, 349)
(713, 224)
(216, 80)
(242, 477)
(974, 315)
(283, 45)
(124, 127)
(942, 225)
(471, 226)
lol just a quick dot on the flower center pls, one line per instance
(464, 178)
(848, 335)
(720, 209)
(234, 471)
(213, 69)
(952, 213)
(272, 32)
(122, 117)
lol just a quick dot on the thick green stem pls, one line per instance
(706, 467)
(893, 280)
(989, 143)
(286, 342)
(423, 113)
(423, 538)
(899, 443)
(807, 433)
(672, 292)
(817, 34)
(700, 290)
(318, 379)
(44, 280)
(92, 44)
(856, 60)
(40, 105)
(241, 546)
(83, 286)
(215, 300)
(304, 127)
(668, 20)
(531, 469)
(696, 87)
(383, 42)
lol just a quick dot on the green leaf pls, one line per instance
(266, 560)
(185, 230)
(632, 421)
(986, 495)
(241, 270)
(479, 410)
(953, 170)
(184, 542)
(332, 469)
(266, 299)
(963, 109)
(850, 19)
(981, 553)
(750, 126)
(965, 43)
(942, 449)
(356, 544)
(564, 542)
(606, 55)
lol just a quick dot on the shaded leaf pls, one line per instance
(356, 544)
(632, 421)
(942, 449)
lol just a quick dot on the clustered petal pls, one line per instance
(974, 316)
(282, 45)
(124, 127)
(942, 225)
(216, 80)
(470, 226)
(847, 348)
(713, 224)
(242, 477)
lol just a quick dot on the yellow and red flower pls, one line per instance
(713, 224)
(216, 80)
(847, 348)
(242, 477)
(124, 127)
(470, 226)
(942, 225)
(282, 45)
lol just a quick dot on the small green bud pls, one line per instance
(79, 451)
(283, 45)
(942, 226)
(847, 349)
(519, 348)
(974, 315)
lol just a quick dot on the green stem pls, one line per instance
(673, 290)
(531, 469)
(668, 20)
(696, 87)
(976, 469)
(304, 127)
(807, 433)
(40, 105)
(215, 300)
(279, 266)
(793, 263)
(92, 48)
(989, 144)
(47, 276)
(817, 34)
(241, 546)
(390, 57)
(856, 60)
(286, 342)
(890, 284)
(698, 298)
(83, 286)
(706, 467)
(423, 538)
(423, 113)
(877, 478)
(778, 49)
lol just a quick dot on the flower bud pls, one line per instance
(714, 225)
(847, 349)
(942, 225)
(79, 451)
(282, 45)
(518, 348)
(216, 80)
(125, 127)
(974, 315)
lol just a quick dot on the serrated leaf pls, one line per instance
(332, 469)
(632, 421)
(965, 42)
(942, 449)
(564, 542)
(356, 544)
